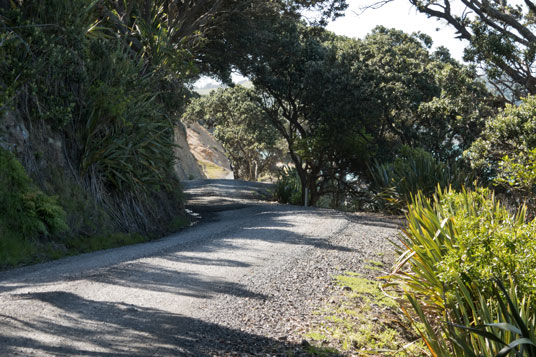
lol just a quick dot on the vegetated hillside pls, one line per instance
(90, 98)
(209, 87)
(86, 134)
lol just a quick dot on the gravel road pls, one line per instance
(244, 281)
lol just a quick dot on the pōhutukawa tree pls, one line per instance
(340, 103)
(425, 99)
(312, 88)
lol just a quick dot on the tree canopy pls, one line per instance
(501, 38)
(425, 99)
(340, 103)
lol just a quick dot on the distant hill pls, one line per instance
(209, 87)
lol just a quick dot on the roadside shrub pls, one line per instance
(511, 133)
(288, 186)
(413, 170)
(516, 179)
(479, 324)
(26, 210)
(26, 213)
(455, 246)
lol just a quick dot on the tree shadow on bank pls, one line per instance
(96, 328)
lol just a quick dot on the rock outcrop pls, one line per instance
(208, 152)
(187, 167)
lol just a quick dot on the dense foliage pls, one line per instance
(503, 155)
(27, 212)
(455, 246)
(423, 99)
(340, 103)
(72, 79)
(500, 35)
(413, 170)
(321, 119)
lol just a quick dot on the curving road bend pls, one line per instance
(200, 292)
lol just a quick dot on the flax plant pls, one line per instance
(454, 249)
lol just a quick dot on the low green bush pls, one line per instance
(288, 187)
(414, 170)
(26, 210)
(455, 245)
(26, 213)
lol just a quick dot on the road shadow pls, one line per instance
(152, 277)
(272, 227)
(161, 277)
(377, 220)
(127, 330)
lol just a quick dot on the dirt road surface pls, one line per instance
(239, 281)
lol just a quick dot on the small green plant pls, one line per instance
(27, 213)
(288, 186)
(178, 223)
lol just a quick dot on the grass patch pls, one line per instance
(17, 252)
(364, 289)
(373, 268)
(101, 242)
(321, 351)
(178, 223)
(374, 265)
(316, 336)
(213, 171)
(363, 320)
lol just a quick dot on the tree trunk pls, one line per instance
(313, 193)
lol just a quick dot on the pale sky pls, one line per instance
(397, 14)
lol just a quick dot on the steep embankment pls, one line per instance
(208, 152)
(87, 135)
(199, 155)
(187, 166)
